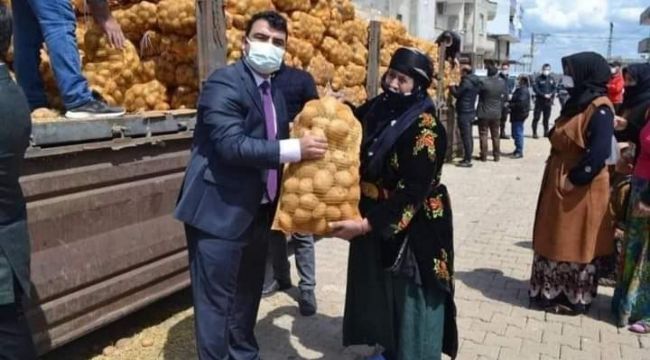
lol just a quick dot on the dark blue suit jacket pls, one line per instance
(225, 179)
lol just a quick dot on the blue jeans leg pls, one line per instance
(27, 42)
(518, 136)
(57, 23)
(305, 260)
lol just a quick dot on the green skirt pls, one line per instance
(380, 308)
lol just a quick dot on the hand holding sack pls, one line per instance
(315, 193)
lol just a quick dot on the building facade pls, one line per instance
(505, 29)
(644, 45)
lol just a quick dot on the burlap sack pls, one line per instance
(314, 193)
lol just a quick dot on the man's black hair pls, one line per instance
(546, 66)
(275, 20)
(615, 64)
(5, 31)
(492, 70)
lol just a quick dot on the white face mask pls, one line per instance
(546, 72)
(264, 57)
(613, 70)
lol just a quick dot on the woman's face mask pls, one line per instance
(264, 57)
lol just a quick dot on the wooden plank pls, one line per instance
(374, 41)
(211, 34)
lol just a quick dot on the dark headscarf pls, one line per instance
(590, 72)
(379, 113)
(639, 93)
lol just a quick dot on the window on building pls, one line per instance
(399, 17)
(482, 24)
(440, 8)
(453, 23)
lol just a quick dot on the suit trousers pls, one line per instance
(278, 267)
(491, 125)
(545, 108)
(227, 278)
(465, 126)
(15, 337)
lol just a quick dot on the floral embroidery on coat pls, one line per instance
(426, 140)
(440, 266)
(407, 216)
(435, 207)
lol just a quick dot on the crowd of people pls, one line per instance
(400, 290)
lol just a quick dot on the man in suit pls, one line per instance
(15, 126)
(230, 188)
(298, 87)
(491, 97)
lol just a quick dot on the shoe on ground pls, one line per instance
(307, 303)
(505, 137)
(535, 136)
(517, 156)
(276, 286)
(94, 109)
(465, 164)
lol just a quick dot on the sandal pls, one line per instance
(640, 327)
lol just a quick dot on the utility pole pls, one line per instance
(532, 52)
(609, 41)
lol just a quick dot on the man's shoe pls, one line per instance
(276, 286)
(307, 303)
(94, 109)
(517, 156)
(535, 136)
(505, 137)
(464, 164)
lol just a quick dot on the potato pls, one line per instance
(323, 181)
(306, 186)
(319, 211)
(290, 202)
(321, 226)
(335, 195)
(354, 194)
(301, 216)
(308, 202)
(347, 211)
(344, 179)
(307, 171)
(332, 213)
(285, 220)
(292, 185)
(337, 131)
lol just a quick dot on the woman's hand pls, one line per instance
(642, 209)
(620, 123)
(568, 186)
(349, 229)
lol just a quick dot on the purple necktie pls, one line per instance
(269, 117)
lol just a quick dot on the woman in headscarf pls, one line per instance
(573, 225)
(631, 302)
(400, 275)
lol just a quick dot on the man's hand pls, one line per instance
(113, 32)
(312, 148)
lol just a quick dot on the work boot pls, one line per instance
(307, 303)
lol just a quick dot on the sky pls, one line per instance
(580, 25)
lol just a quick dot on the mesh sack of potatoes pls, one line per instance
(234, 37)
(148, 96)
(243, 10)
(301, 49)
(322, 10)
(315, 193)
(356, 94)
(100, 79)
(146, 71)
(305, 26)
(177, 17)
(41, 115)
(338, 53)
(150, 44)
(181, 48)
(355, 30)
(386, 53)
(292, 5)
(352, 75)
(345, 8)
(184, 97)
(359, 53)
(187, 75)
(136, 19)
(166, 69)
(322, 70)
(392, 31)
(292, 61)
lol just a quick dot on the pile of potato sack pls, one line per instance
(157, 70)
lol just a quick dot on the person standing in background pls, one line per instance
(15, 127)
(510, 85)
(519, 111)
(615, 87)
(544, 88)
(298, 87)
(466, 94)
(54, 22)
(492, 95)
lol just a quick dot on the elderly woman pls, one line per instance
(631, 301)
(400, 275)
(573, 226)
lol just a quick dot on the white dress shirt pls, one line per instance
(289, 148)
